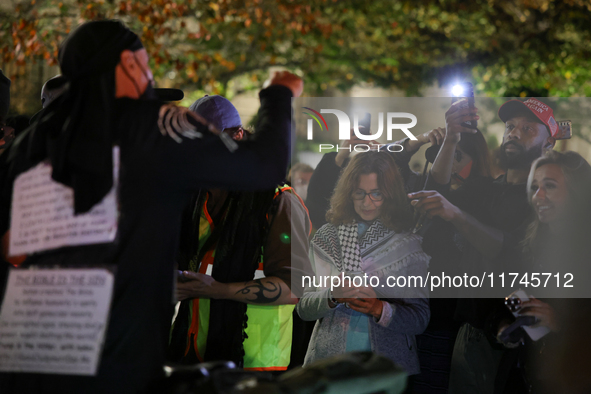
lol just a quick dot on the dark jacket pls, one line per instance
(157, 176)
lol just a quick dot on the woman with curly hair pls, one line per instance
(368, 239)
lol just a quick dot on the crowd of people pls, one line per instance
(532, 218)
(206, 213)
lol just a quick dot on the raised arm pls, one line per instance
(257, 164)
(454, 117)
(435, 137)
(486, 239)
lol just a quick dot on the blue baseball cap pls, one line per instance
(217, 110)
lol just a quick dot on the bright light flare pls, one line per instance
(457, 90)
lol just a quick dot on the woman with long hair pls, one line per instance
(367, 237)
(557, 240)
(559, 191)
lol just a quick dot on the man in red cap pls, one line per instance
(530, 129)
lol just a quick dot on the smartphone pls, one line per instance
(514, 303)
(468, 97)
(181, 277)
(565, 131)
(366, 123)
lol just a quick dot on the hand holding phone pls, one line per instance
(515, 303)
(467, 94)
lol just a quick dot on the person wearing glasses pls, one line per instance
(367, 236)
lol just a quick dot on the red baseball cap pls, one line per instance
(542, 111)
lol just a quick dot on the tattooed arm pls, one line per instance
(265, 291)
(285, 257)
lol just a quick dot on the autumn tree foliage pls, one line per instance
(508, 48)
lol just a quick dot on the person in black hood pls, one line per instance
(164, 159)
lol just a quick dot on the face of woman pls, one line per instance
(550, 193)
(366, 196)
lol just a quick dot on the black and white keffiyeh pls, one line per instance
(379, 251)
(350, 260)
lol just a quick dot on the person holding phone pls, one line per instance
(558, 189)
(367, 233)
(460, 172)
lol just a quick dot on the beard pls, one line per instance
(520, 159)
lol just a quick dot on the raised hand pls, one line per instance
(285, 78)
(435, 136)
(542, 311)
(366, 302)
(433, 204)
(174, 122)
(196, 285)
(454, 117)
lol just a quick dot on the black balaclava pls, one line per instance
(75, 131)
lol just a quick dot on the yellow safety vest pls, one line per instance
(269, 328)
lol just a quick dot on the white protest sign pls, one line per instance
(42, 214)
(54, 320)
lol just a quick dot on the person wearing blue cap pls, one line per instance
(221, 113)
(235, 267)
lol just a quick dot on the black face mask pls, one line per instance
(149, 93)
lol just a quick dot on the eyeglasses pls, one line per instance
(373, 196)
(233, 132)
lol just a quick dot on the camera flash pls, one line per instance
(457, 90)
